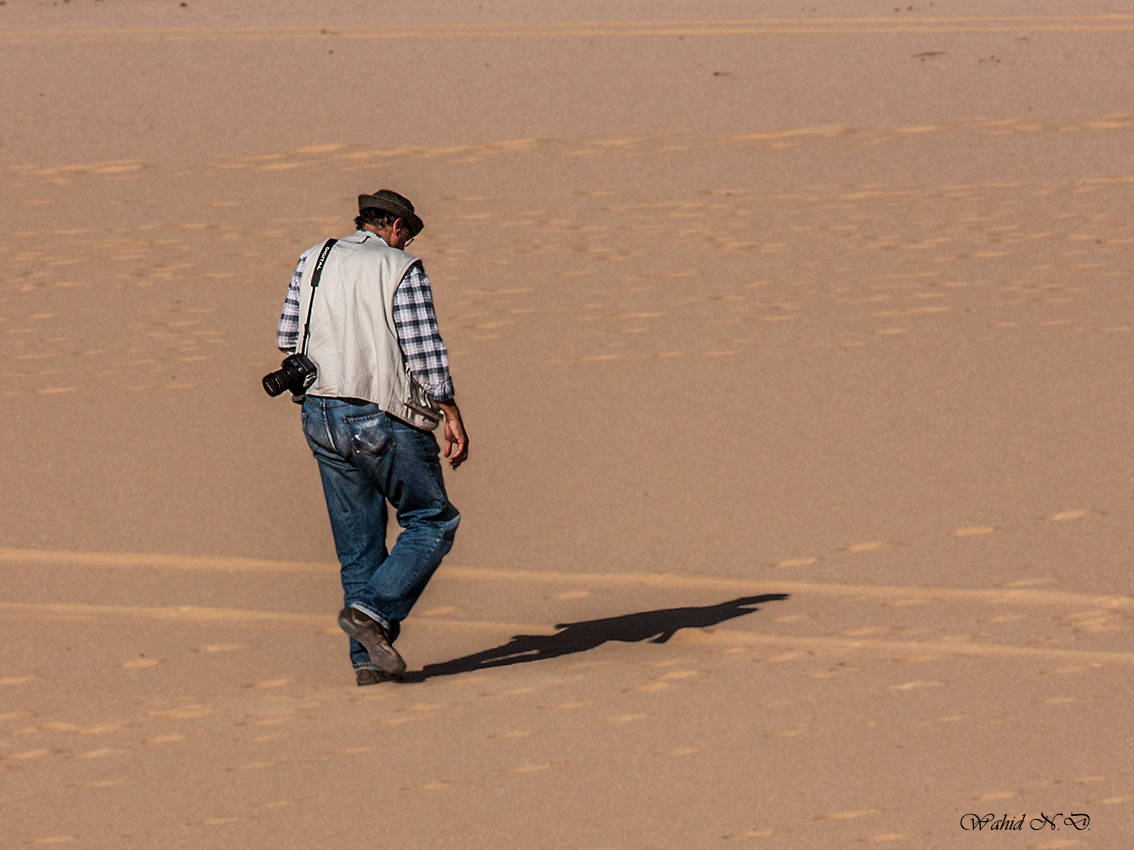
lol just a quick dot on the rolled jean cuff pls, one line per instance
(372, 614)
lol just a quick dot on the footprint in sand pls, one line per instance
(277, 804)
(571, 594)
(97, 754)
(1066, 515)
(915, 686)
(140, 662)
(862, 631)
(833, 671)
(29, 754)
(685, 751)
(793, 655)
(440, 611)
(219, 647)
(504, 736)
(853, 813)
(796, 562)
(973, 530)
(315, 149)
(680, 674)
(789, 733)
(1092, 621)
(189, 712)
(1065, 671)
(869, 546)
(996, 795)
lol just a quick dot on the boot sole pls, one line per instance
(383, 656)
(368, 676)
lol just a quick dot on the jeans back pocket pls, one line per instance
(371, 435)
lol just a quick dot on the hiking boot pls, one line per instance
(369, 676)
(375, 639)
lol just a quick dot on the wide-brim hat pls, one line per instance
(394, 204)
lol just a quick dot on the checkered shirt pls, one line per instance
(414, 320)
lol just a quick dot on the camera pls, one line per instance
(296, 373)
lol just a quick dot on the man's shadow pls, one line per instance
(654, 626)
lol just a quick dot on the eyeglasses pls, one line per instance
(404, 229)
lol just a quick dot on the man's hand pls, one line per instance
(456, 440)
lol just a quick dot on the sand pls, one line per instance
(794, 347)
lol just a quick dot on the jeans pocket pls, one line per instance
(371, 435)
(315, 429)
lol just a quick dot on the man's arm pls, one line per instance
(427, 355)
(416, 324)
(287, 336)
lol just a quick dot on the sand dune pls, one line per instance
(794, 346)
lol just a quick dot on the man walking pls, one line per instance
(382, 386)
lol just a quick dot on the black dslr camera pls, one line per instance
(296, 373)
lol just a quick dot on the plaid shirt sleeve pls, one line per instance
(418, 336)
(287, 337)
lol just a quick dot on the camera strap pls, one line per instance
(318, 273)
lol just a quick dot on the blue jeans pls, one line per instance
(366, 458)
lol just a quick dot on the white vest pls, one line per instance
(353, 341)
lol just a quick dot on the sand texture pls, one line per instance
(794, 343)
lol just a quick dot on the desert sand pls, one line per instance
(794, 345)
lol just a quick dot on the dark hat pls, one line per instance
(395, 204)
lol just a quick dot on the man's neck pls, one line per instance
(369, 228)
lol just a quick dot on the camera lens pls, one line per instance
(274, 383)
